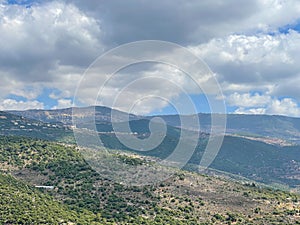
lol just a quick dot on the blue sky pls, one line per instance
(294, 26)
(252, 52)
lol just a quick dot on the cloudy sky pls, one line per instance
(252, 48)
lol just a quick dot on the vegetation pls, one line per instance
(255, 160)
(20, 126)
(271, 164)
(22, 204)
(82, 196)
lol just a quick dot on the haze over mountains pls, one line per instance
(257, 147)
(287, 128)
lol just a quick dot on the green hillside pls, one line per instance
(81, 195)
(256, 160)
(23, 204)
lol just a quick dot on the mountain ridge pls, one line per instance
(277, 126)
(246, 155)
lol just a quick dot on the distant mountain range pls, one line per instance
(259, 147)
(287, 128)
(65, 116)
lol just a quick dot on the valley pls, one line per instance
(272, 161)
(253, 180)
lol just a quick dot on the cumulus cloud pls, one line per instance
(187, 22)
(140, 88)
(38, 41)
(286, 106)
(11, 104)
(63, 103)
(265, 63)
(255, 58)
(50, 44)
(247, 100)
(263, 104)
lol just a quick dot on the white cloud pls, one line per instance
(44, 45)
(254, 111)
(286, 106)
(264, 63)
(273, 14)
(263, 104)
(50, 44)
(142, 88)
(253, 49)
(63, 103)
(247, 100)
(11, 104)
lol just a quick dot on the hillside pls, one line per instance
(279, 127)
(185, 198)
(252, 158)
(11, 124)
(65, 116)
(21, 203)
(268, 163)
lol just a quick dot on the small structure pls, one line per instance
(45, 187)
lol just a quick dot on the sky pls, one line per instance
(251, 47)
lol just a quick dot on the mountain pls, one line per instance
(255, 160)
(11, 124)
(287, 128)
(82, 196)
(277, 127)
(246, 153)
(81, 115)
(259, 161)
